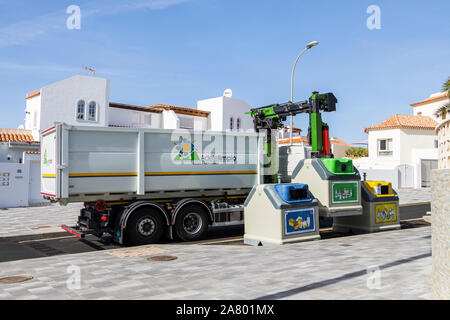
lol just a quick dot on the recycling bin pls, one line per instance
(335, 183)
(380, 210)
(276, 214)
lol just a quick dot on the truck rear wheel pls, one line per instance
(192, 223)
(145, 226)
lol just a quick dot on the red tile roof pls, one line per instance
(16, 135)
(33, 94)
(297, 139)
(294, 129)
(333, 141)
(182, 110)
(433, 98)
(339, 142)
(405, 121)
(131, 107)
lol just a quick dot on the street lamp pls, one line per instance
(308, 46)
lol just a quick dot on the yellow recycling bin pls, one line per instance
(380, 210)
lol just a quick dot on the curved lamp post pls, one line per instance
(308, 46)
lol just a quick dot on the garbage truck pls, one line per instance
(139, 185)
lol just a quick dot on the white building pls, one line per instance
(402, 149)
(14, 142)
(431, 106)
(83, 100)
(79, 100)
(19, 169)
(338, 147)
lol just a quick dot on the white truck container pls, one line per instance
(138, 184)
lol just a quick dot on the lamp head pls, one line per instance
(312, 44)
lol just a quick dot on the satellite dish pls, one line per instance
(228, 93)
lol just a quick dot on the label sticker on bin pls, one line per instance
(344, 192)
(385, 213)
(299, 221)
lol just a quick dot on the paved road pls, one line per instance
(65, 243)
(326, 269)
(41, 238)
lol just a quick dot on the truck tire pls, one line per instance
(145, 226)
(191, 223)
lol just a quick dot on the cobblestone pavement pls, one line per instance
(38, 220)
(327, 269)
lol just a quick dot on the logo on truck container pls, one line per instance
(185, 150)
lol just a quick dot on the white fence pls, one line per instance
(401, 176)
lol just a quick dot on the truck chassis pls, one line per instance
(146, 220)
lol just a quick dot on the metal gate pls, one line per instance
(405, 176)
(425, 169)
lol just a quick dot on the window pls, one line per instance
(186, 123)
(80, 110)
(385, 147)
(92, 111)
(35, 119)
(238, 124)
(436, 144)
(231, 123)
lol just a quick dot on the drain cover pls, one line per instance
(15, 279)
(162, 258)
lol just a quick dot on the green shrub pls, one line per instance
(357, 152)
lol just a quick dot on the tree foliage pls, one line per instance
(357, 152)
(446, 86)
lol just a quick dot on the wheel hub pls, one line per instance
(146, 226)
(192, 223)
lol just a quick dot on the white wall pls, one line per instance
(33, 164)
(132, 118)
(20, 183)
(430, 109)
(236, 108)
(386, 161)
(215, 107)
(32, 116)
(59, 101)
(416, 139)
(222, 109)
(410, 147)
(13, 185)
(5, 151)
(339, 150)
(170, 120)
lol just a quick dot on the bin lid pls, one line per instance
(293, 192)
(371, 193)
(339, 166)
(379, 188)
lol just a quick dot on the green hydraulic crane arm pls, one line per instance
(271, 117)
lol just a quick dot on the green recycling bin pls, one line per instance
(335, 183)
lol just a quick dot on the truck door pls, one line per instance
(49, 154)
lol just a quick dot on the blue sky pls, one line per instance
(179, 51)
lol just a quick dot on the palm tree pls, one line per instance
(446, 86)
(442, 111)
